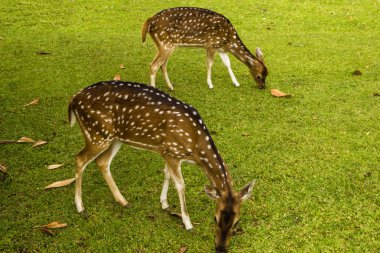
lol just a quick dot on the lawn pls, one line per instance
(316, 155)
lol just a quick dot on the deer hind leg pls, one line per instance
(165, 186)
(227, 64)
(104, 161)
(210, 55)
(164, 68)
(174, 167)
(160, 61)
(87, 155)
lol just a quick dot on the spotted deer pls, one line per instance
(114, 112)
(195, 27)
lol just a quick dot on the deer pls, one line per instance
(196, 27)
(112, 113)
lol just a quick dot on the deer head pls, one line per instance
(258, 69)
(227, 213)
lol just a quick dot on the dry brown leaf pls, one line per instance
(54, 166)
(60, 183)
(33, 102)
(3, 168)
(117, 77)
(183, 249)
(122, 66)
(39, 143)
(279, 94)
(46, 231)
(25, 140)
(178, 215)
(7, 141)
(55, 224)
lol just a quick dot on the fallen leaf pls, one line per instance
(7, 141)
(357, 72)
(183, 249)
(25, 140)
(39, 143)
(46, 231)
(122, 66)
(245, 134)
(376, 94)
(3, 168)
(55, 224)
(117, 77)
(33, 102)
(279, 94)
(54, 166)
(60, 183)
(42, 52)
(178, 215)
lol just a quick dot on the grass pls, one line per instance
(316, 155)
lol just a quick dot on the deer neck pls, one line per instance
(240, 51)
(215, 168)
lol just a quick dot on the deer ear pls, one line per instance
(245, 193)
(212, 192)
(259, 54)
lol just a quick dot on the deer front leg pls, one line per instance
(175, 171)
(165, 186)
(210, 55)
(227, 64)
(104, 162)
(87, 155)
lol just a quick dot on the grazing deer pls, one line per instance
(115, 112)
(195, 27)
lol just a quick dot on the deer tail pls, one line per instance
(71, 113)
(145, 29)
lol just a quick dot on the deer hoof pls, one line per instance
(128, 205)
(85, 215)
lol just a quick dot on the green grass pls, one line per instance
(316, 155)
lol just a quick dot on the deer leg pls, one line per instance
(104, 161)
(227, 64)
(210, 55)
(87, 155)
(165, 186)
(165, 73)
(160, 59)
(174, 167)
(153, 69)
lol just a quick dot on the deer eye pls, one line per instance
(259, 77)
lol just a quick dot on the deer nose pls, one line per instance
(221, 249)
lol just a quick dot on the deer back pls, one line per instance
(187, 26)
(144, 117)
